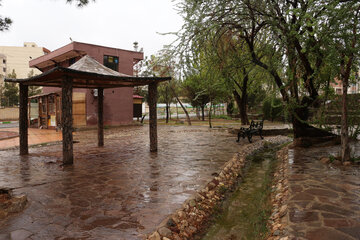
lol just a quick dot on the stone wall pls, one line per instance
(192, 216)
(280, 192)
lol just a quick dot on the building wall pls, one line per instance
(118, 102)
(18, 58)
(10, 113)
(352, 89)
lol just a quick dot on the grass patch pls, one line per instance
(245, 212)
(226, 117)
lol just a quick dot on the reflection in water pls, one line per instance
(25, 171)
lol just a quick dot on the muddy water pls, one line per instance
(244, 213)
(119, 191)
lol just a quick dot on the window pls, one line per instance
(4, 69)
(4, 61)
(72, 61)
(111, 62)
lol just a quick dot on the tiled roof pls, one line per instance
(88, 64)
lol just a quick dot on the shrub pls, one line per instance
(273, 109)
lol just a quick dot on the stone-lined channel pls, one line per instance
(244, 213)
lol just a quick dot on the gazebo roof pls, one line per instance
(87, 73)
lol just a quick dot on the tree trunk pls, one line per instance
(198, 113)
(182, 106)
(210, 125)
(203, 113)
(345, 149)
(241, 102)
(300, 126)
(153, 95)
(167, 112)
(177, 112)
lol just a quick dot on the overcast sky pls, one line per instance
(113, 23)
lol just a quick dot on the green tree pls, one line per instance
(345, 48)
(296, 34)
(196, 95)
(10, 92)
(5, 22)
(165, 64)
(33, 90)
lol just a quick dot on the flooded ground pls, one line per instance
(120, 191)
(244, 214)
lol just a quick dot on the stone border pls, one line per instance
(10, 204)
(277, 223)
(185, 222)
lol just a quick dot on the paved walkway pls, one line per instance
(36, 136)
(324, 201)
(120, 191)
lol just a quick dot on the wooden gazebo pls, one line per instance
(86, 73)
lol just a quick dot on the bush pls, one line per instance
(222, 117)
(273, 109)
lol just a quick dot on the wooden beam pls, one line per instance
(100, 117)
(23, 120)
(66, 119)
(153, 116)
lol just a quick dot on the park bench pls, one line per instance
(255, 128)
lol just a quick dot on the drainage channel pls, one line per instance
(244, 213)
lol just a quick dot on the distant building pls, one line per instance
(118, 102)
(17, 58)
(354, 88)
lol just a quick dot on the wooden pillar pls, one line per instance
(67, 129)
(39, 111)
(100, 117)
(153, 116)
(29, 112)
(23, 119)
(47, 112)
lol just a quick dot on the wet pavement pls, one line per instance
(35, 136)
(120, 191)
(324, 201)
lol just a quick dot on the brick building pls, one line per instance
(118, 102)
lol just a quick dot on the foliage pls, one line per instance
(33, 90)
(193, 91)
(295, 42)
(10, 92)
(272, 108)
(5, 22)
(80, 3)
(226, 117)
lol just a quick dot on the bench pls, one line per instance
(255, 128)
